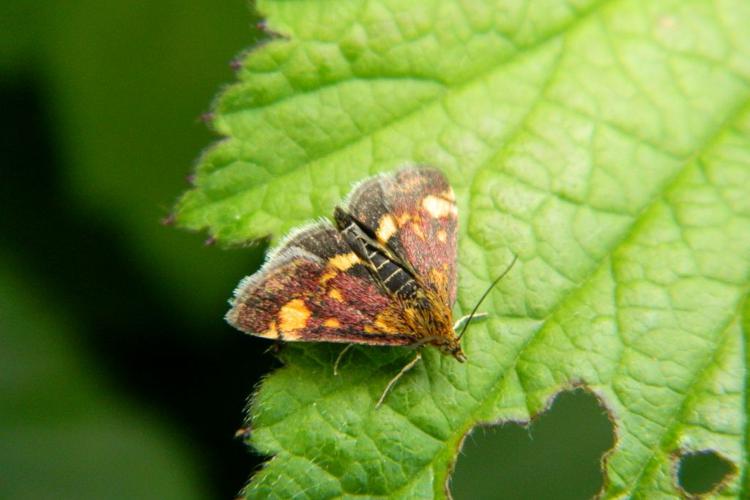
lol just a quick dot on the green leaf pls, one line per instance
(607, 144)
(61, 431)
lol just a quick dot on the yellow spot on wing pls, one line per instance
(383, 326)
(403, 219)
(271, 333)
(442, 236)
(438, 207)
(344, 261)
(335, 294)
(439, 277)
(327, 276)
(293, 316)
(291, 336)
(417, 228)
(331, 323)
(386, 228)
(385, 323)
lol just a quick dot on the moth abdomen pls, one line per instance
(390, 274)
(393, 277)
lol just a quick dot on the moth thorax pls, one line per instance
(425, 315)
(435, 324)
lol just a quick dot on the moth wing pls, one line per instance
(314, 288)
(413, 212)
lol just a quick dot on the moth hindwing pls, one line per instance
(385, 274)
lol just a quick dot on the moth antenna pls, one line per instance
(485, 294)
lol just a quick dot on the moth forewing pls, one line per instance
(383, 275)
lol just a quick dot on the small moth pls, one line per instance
(384, 274)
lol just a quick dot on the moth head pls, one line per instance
(429, 314)
(453, 348)
(446, 339)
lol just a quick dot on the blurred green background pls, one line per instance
(118, 376)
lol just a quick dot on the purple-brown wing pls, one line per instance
(413, 212)
(314, 288)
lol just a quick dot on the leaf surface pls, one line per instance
(607, 144)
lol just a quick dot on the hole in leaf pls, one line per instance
(702, 472)
(558, 456)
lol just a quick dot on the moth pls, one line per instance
(383, 274)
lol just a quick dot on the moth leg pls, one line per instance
(276, 347)
(338, 359)
(461, 322)
(400, 374)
